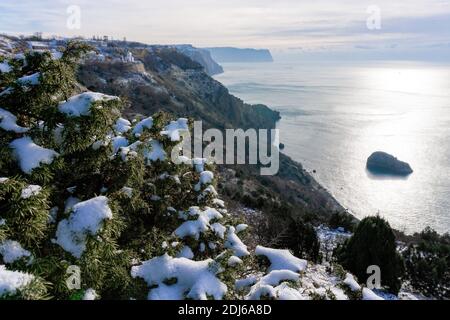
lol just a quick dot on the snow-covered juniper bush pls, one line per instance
(82, 186)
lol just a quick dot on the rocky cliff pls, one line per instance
(165, 79)
(203, 57)
(227, 54)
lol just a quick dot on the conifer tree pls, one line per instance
(95, 206)
(83, 187)
(373, 243)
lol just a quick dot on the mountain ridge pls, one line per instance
(231, 54)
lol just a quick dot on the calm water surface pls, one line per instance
(334, 115)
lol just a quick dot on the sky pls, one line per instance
(412, 28)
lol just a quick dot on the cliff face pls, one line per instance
(227, 54)
(165, 79)
(203, 57)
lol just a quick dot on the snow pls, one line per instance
(210, 190)
(247, 282)
(8, 122)
(284, 292)
(339, 293)
(194, 279)
(56, 55)
(259, 291)
(281, 259)
(2, 222)
(220, 203)
(130, 151)
(30, 191)
(79, 105)
(11, 281)
(101, 143)
(219, 230)
(31, 80)
(368, 294)
(122, 125)
(12, 251)
(20, 56)
(316, 279)
(234, 261)
(30, 155)
(143, 124)
(234, 243)
(186, 252)
(409, 296)
(86, 219)
(5, 67)
(70, 203)
(241, 227)
(193, 228)
(155, 152)
(330, 238)
(90, 294)
(206, 177)
(3, 179)
(351, 282)
(199, 164)
(275, 277)
(119, 142)
(269, 286)
(175, 129)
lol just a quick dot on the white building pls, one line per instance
(128, 58)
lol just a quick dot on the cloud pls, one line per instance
(282, 24)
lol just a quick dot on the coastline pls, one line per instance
(344, 178)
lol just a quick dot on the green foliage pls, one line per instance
(373, 243)
(301, 238)
(26, 217)
(342, 220)
(35, 290)
(145, 197)
(427, 263)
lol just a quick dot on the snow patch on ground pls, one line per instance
(194, 279)
(281, 259)
(351, 282)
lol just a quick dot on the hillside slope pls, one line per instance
(166, 80)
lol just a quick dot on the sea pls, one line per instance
(335, 114)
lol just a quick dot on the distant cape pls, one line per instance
(229, 54)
